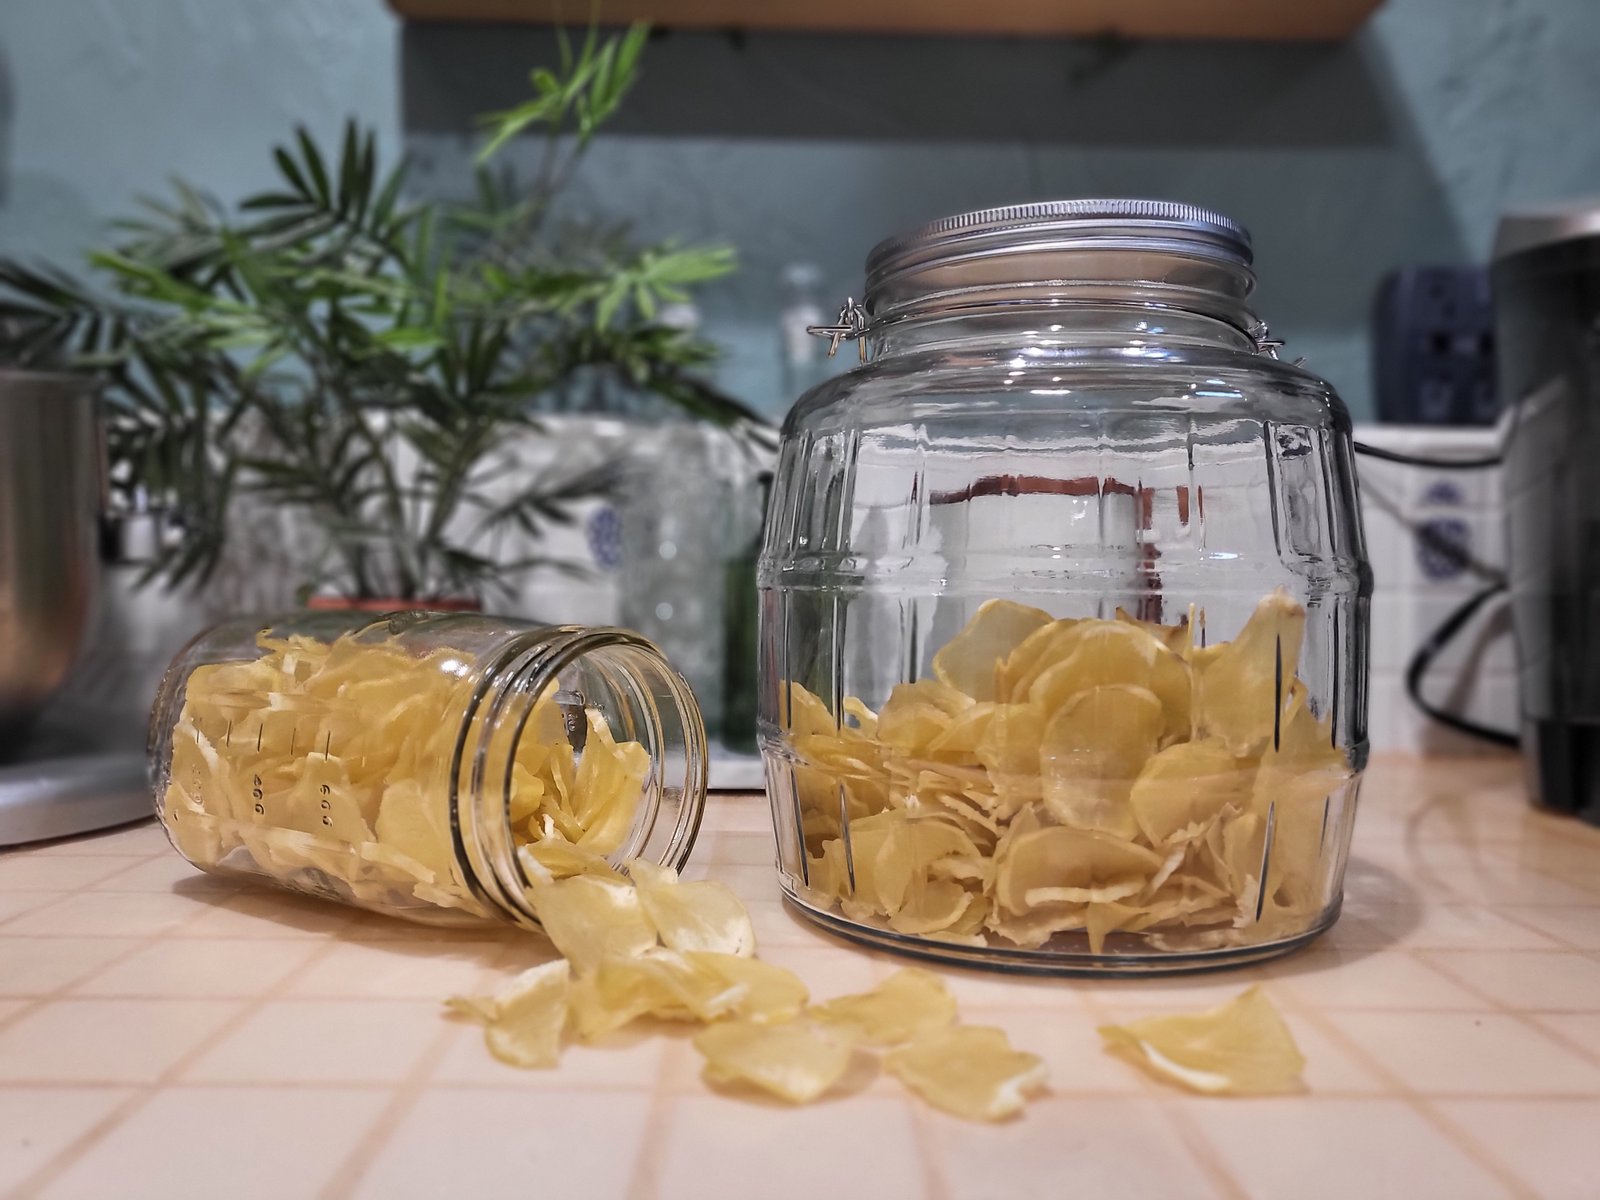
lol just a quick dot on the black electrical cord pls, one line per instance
(1433, 464)
(1441, 637)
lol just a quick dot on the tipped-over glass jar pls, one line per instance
(422, 764)
(1064, 605)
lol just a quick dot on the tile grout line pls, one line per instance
(402, 1099)
(347, 1176)
(63, 991)
(1420, 1103)
(144, 1092)
(1193, 1139)
(643, 1180)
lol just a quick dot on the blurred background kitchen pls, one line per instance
(674, 235)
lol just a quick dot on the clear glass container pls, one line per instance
(416, 764)
(1065, 605)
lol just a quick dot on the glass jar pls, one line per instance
(1065, 605)
(422, 764)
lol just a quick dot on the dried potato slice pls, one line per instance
(797, 1061)
(1241, 685)
(1186, 786)
(529, 1017)
(704, 915)
(552, 857)
(1104, 653)
(970, 1071)
(1009, 751)
(591, 919)
(771, 993)
(1239, 1048)
(1176, 638)
(910, 1002)
(1092, 750)
(1037, 653)
(1059, 864)
(968, 661)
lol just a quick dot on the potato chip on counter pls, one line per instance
(1240, 1048)
(1075, 785)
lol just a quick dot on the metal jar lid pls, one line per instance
(1160, 225)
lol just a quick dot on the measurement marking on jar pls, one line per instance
(259, 794)
(259, 731)
(292, 734)
(327, 805)
(228, 737)
(327, 742)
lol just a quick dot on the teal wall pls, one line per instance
(1399, 146)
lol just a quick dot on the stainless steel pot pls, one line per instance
(51, 483)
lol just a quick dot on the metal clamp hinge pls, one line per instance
(850, 327)
(1267, 344)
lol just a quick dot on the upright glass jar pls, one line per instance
(1064, 605)
(424, 765)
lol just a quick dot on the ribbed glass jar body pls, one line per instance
(1064, 625)
(405, 763)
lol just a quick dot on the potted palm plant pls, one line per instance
(327, 352)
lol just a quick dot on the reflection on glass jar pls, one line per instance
(1064, 606)
(413, 764)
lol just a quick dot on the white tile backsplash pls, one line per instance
(1415, 588)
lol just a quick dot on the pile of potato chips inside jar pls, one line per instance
(327, 764)
(1061, 781)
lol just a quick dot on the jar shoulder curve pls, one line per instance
(1217, 383)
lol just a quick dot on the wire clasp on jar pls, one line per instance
(850, 327)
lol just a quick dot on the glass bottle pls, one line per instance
(1065, 605)
(422, 764)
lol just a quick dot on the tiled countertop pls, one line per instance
(169, 1035)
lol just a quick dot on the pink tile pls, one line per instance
(200, 968)
(26, 872)
(37, 1124)
(1530, 981)
(418, 969)
(259, 913)
(778, 925)
(488, 1142)
(852, 1146)
(109, 914)
(1438, 927)
(1122, 1148)
(1548, 1144)
(237, 1142)
(36, 966)
(1337, 1149)
(1469, 1054)
(828, 971)
(1572, 925)
(751, 882)
(323, 1041)
(747, 849)
(1066, 1037)
(142, 837)
(629, 1060)
(1581, 1029)
(162, 874)
(1368, 979)
(106, 1041)
(14, 903)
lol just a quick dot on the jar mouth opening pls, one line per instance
(627, 680)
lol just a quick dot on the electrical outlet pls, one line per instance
(1433, 329)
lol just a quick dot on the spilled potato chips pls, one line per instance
(970, 1071)
(1078, 784)
(909, 1003)
(796, 1061)
(1241, 1048)
(325, 765)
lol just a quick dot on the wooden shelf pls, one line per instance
(1261, 20)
